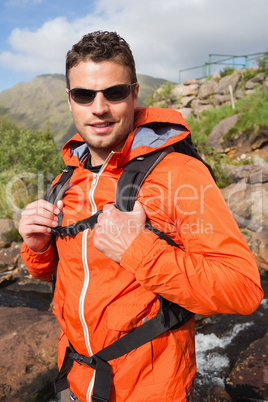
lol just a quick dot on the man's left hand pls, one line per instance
(116, 230)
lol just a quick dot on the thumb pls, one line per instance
(60, 204)
(139, 210)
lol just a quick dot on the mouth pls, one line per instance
(102, 125)
(102, 128)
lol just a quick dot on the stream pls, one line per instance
(219, 342)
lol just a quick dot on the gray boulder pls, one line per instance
(214, 139)
(225, 82)
(248, 380)
(248, 204)
(207, 88)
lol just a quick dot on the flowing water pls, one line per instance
(220, 342)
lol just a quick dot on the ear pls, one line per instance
(136, 94)
(69, 102)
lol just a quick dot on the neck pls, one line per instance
(97, 159)
(99, 155)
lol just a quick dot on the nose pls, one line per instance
(100, 104)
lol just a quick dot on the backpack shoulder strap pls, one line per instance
(56, 192)
(133, 176)
(187, 147)
(137, 170)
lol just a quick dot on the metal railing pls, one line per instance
(234, 61)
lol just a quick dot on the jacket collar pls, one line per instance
(154, 129)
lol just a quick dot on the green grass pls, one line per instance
(253, 114)
(253, 111)
(202, 127)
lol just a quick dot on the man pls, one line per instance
(108, 278)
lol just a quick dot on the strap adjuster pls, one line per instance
(81, 359)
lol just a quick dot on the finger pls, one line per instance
(50, 221)
(43, 205)
(38, 212)
(35, 229)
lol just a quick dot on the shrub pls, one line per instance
(248, 74)
(227, 71)
(263, 62)
(28, 150)
(28, 162)
(162, 94)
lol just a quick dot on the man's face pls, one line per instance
(104, 125)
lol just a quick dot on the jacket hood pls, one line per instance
(155, 128)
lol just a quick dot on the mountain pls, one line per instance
(42, 103)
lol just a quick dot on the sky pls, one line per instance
(165, 36)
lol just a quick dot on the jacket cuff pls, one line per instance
(35, 256)
(40, 265)
(138, 250)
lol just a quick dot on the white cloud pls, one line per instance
(165, 36)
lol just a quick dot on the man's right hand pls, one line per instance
(36, 222)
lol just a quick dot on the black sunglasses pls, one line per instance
(112, 94)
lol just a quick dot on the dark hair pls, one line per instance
(101, 46)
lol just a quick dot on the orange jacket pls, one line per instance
(97, 300)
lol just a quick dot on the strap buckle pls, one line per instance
(58, 232)
(82, 359)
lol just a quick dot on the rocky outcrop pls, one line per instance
(29, 332)
(214, 139)
(242, 145)
(28, 350)
(224, 84)
(247, 199)
(218, 394)
(249, 377)
(6, 226)
(196, 96)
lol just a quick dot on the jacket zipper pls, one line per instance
(86, 271)
(94, 184)
(81, 307)
(91, 192)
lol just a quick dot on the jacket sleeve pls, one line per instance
(214, 271)
(40, 265)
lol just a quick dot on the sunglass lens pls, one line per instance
(117, 92)
(82, 96)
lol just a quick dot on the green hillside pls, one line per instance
(41, 104)
(147, 85)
